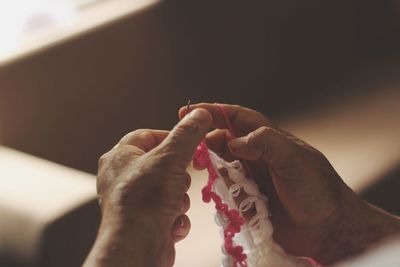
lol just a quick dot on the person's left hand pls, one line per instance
(142, 183)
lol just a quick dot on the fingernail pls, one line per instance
(200, 114)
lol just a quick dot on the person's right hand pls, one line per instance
(313, 212)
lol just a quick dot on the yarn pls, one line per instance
(234, 220)
(245, 243)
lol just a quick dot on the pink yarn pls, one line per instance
(226, 118)
(201, 160)
(234, 220)
(312, 261)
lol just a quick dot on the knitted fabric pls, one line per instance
(246, 242)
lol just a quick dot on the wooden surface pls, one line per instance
(49, 213)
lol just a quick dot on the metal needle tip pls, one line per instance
(188, 107)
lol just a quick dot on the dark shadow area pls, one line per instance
(67, 241)
(386, 193)
(74, 101)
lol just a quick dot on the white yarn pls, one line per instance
(256, 235)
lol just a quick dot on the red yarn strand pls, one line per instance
(234, 220)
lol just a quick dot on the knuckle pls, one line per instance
(138, 132)
(189, 127)
(103, 159)
(121, 156)
(257, 140)
(141, 133)
(181, 133)
(251, 138)
(258, 135)
(124, 152)
(263, 130)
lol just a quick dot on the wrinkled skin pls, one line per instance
(142, 184)
(313, 212)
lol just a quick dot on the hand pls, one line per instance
(313, 212)
(141, 185)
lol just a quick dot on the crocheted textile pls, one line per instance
(242, 212)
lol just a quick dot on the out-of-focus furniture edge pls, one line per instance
(137, 71)
(49, 215)
(67, 241)
(359, 134)
(85, 19)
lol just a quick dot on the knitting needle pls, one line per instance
(188, 107)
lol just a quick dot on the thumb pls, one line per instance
(266, 144)
(182, 141)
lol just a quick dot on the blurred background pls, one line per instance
(76, 75)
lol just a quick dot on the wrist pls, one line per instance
(128, 241)
(355, 227)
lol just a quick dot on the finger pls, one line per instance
(171, 255)
(144, 139)
(182, 141)
(186, 204)
(181, 228)
(267, 144)
(188, 180)
(217, 141)
(243, 120)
